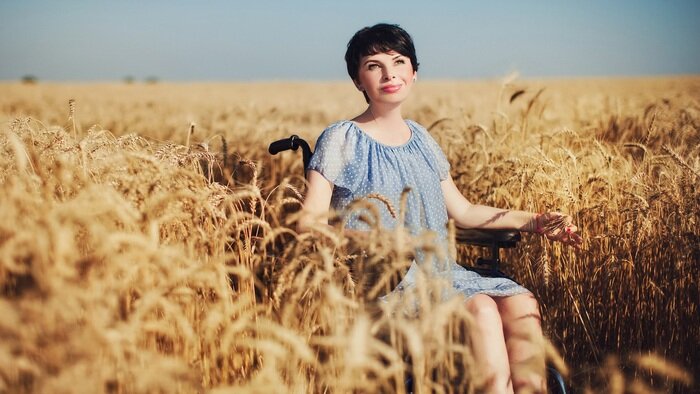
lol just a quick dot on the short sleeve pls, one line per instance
(337, 156)
(436, 157)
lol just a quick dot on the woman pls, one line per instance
(379, 152)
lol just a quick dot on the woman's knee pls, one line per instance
(484, 309)
(519, 308)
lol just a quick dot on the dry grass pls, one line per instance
(142, 253)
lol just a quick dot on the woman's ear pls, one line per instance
(415, 76)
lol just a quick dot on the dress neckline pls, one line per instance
(376, 141)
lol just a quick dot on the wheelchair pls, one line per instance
(489, 266)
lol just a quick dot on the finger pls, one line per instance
(576, 240)
(558, 233)
(572, 240)
(552, 235)
(567, 238)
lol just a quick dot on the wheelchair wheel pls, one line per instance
(555, 382)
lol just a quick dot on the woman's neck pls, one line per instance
(385, 124)
(381, 117)
(388, 116)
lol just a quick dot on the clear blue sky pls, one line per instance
(305, 40)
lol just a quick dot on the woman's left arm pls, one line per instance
(555, 226)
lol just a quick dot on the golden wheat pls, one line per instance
(135, 259)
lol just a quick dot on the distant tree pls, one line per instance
(29, 79)
(152, 80)
(129, 79)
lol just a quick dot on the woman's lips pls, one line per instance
(391, 88)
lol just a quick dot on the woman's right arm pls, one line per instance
(317, 202)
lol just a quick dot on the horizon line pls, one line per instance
(155, 80)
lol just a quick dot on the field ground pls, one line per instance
(127, 208)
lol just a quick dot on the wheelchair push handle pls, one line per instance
(294, 142)
(283, 145)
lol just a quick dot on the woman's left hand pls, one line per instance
(557, 226)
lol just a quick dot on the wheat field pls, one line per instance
(147, 238)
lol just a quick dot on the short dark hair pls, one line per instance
(380, 38)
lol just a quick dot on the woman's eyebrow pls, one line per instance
(398, 56)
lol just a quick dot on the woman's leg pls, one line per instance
(489, 344)
(520, 315)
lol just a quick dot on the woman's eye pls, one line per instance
(372, 66)
(400, 61)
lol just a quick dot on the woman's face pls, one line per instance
(386, 77)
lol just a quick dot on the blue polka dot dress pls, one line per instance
(358, 165)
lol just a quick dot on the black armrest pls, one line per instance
(488, 238)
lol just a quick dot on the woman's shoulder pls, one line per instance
(416, 126)
(413, 123)
(424, 136)
(336, 155)
(338, 126)
(336, 136)
(419, 130)
(336, 129)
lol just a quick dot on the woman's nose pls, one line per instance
(388, 74)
